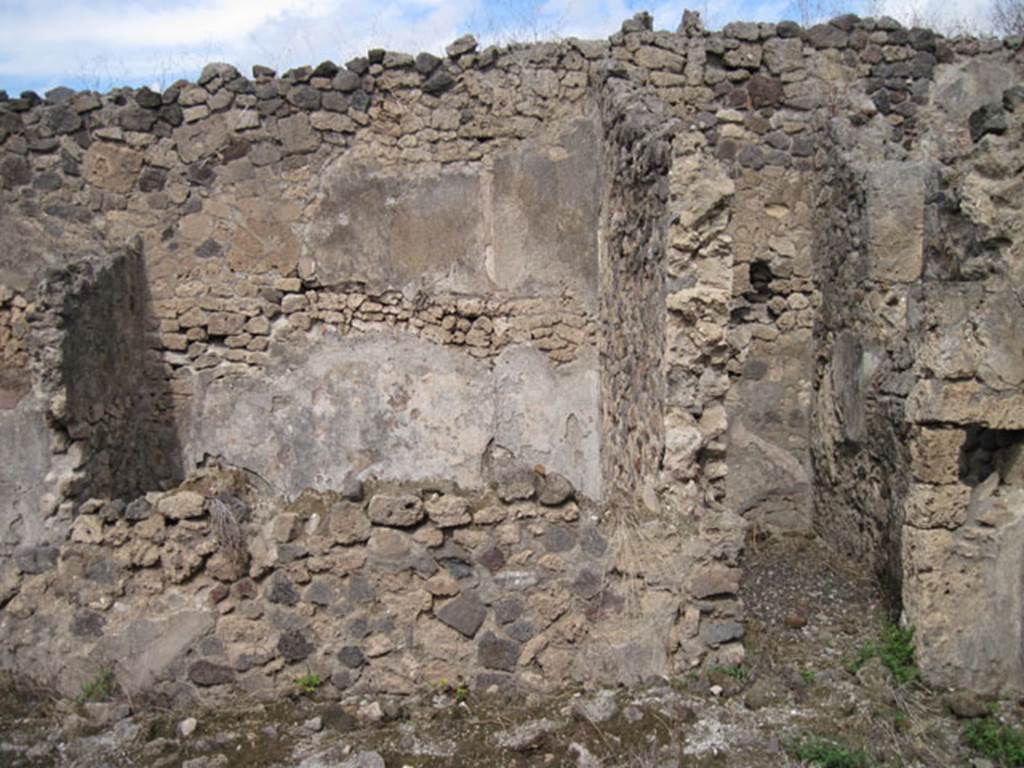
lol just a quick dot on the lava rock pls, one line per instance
(294, 646)
(989, 118)
(464, 614)
(206, 673)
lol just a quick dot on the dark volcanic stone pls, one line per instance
(788, 29)
(343, 679)
(15, 171)
(987, 119)
(236, 148)
(765, 91)
(825, 36)
(751, 157)
(351, 656)
(521, 631)
(326, 69)
(558, 538)
(1013, 97)
(36, 559)
(427, 63)
(48, 181)
(555, 489)
(294, 646)
(172, 114)
(347, 81)
(587, 584)
(304, 97)
(333, 101)
(148, 99)
(152, 179)
(439, 82)
(592, 542)
(139, 509)
(360, 100)
(464, 614)
(88, 624)
(137, 119)
(281, 590)
(494, 652)
(360, 65)
(206, 673)
(64, 119)
(493, 559)
(507, 610)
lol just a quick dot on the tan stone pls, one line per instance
(935, 454)
(111, 167)
(181, 505)
(936, 506)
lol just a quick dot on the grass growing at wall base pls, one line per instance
(895, 649)
(823, 753)
(1001, 743)
(100, 688)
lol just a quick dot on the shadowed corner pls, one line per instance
(119, 401)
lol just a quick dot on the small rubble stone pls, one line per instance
(989, 118)
(206, 673)
(352, 657)
(465, 614)
(498, 653)
(439, 82)
(181, 505)
(449, 511)
(187, 727)
(281, 590)
(461, 46)
(294, 646)
(599, 708)
(402, 511)
(555, 489)
(525, 737)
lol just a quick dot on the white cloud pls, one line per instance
(947, 16)
(103, 43)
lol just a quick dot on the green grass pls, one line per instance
(830, 754)
(895, 649)
(809, 676)
(309, 682)
(739, 674)
(100, 688)
(1000, 743)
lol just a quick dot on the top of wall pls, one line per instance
(134, 161)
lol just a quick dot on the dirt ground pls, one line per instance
(812, 621)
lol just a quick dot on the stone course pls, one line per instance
(579, 315)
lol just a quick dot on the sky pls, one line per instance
(100, 44)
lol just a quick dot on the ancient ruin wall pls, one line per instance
(483, 366)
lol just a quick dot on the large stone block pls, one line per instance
(961, 591)
(895, 218)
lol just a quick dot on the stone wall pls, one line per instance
(577, 313)
(917, 365)
(637, 154)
